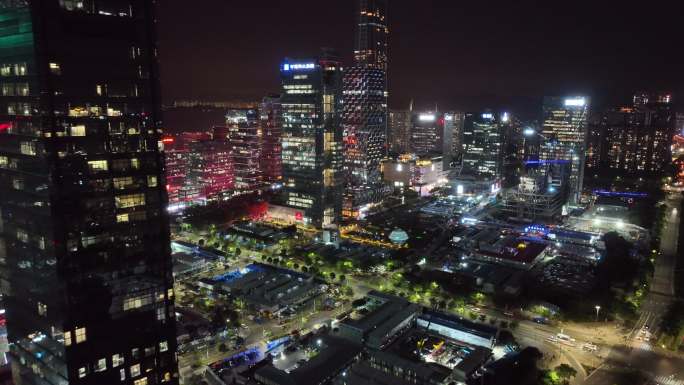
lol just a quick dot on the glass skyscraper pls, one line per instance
(481, 144)
(371, 34)
(564, 131)
(85, 264)
(364, 117)
(311, 105)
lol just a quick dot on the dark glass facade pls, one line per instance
(271, 122)
(85, 263)
(481, 144)
(564, 132)
(371, 34)
(311, 102)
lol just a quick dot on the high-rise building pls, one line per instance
(199, 166)
(271, 122)
(481, 144)
(244, 136)
(85, 264)
(364, 116)
(364, 125)
(399, 131)
(451, 144)
(635, 139)
(311, 102)
(427, 133)
(564, 132)
(371, 35)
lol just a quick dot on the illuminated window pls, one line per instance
(20, 69)
(163, 346)
(123, 182)
(42, 309)
(5, 70)
(55, 68)
(22, 89)
(7, 89)
(167, 377)
(101, 365)
(28, 148)
(135, 353)
(80, 335)
(78, 111)
(117, 360)
(78, 130)
(135, 370)
(122, 374)
(122, 218)
(135, 163)
(4, 161)
(142, 381)
(67, 338)
(131, 200)
(22, 235)
(82, 372)
(98, 89)
(97, 165)
(161, 314)
(151, 181)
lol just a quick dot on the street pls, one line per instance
(655, 363)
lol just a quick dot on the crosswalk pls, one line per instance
(668, 380)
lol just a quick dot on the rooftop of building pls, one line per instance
(460, 323)
(380, 308)
(336, 355)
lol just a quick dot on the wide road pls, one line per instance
(655, 365)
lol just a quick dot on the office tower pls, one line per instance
(199, 166)
(451, 145)
(244, 136)
(364, 125)
(84, 235)
(633, 139)
(371, 35)
(312, 138)
(481, 145)
(564, 133)
(364, 116)
(427, 133)
(399, 131)
(271, 122)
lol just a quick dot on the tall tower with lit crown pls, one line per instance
(364, 115)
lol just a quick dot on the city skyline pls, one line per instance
(506, 65)
(359, 192)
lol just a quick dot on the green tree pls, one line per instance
(565, 372)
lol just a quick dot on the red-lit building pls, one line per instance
(199, 167)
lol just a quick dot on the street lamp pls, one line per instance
(597, 307)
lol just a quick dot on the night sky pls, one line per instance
(462, 55)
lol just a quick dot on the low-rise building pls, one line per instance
(422, 174)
